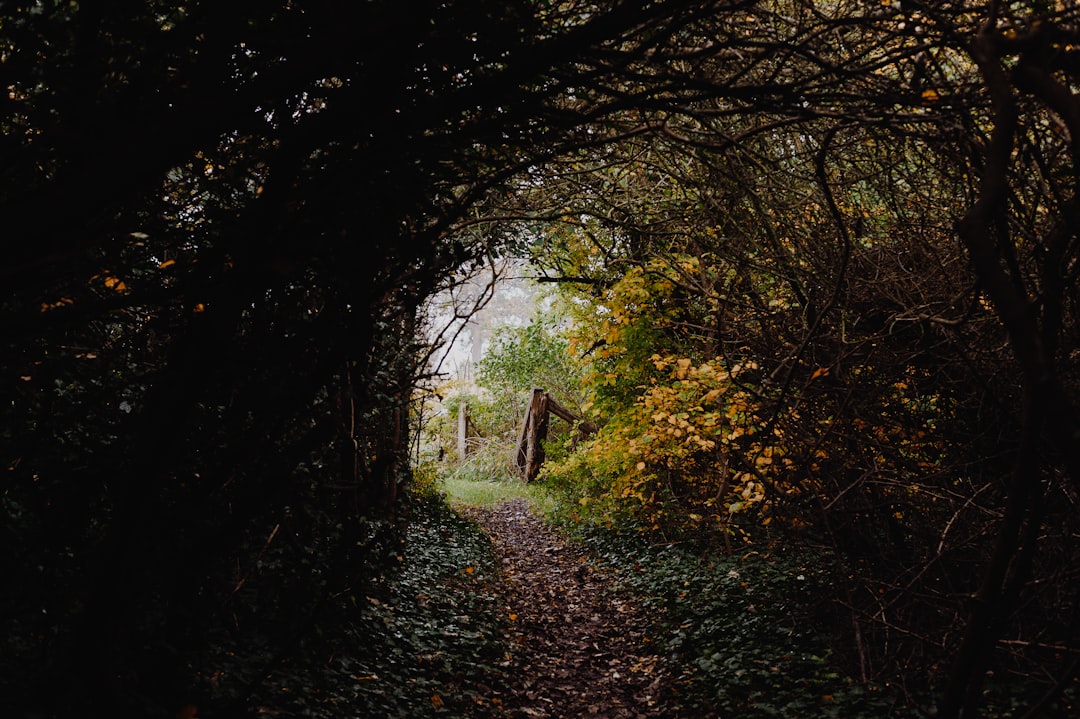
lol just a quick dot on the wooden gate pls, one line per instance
(530, 448)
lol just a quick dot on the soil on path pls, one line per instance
(579, 647)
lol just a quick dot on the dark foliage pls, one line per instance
(220, 220)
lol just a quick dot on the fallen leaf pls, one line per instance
(188, 712)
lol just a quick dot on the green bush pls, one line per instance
(420, 640)
(745, 636)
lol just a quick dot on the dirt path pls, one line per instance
(579, 647)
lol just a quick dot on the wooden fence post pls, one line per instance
(536, 432)
(462, 431)
(522, 454)
(534, 427)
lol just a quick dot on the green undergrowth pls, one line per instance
(744, 636)
(423, 640)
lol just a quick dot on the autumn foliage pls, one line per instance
(820, 262)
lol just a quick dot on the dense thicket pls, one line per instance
(850, 229)
(220, 220)
(837, 298)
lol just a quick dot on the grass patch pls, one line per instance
(464, 489)
(480, 492)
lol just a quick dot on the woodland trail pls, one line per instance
(579, 647)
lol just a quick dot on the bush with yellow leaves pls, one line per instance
(688, 454)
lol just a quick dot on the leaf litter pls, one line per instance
(577, 642)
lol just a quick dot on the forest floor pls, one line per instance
(578, 641)
(497, 608)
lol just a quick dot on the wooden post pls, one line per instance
(462, 431)
(521, 456)
(534, 427)
(538, 424)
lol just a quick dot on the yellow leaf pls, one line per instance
(46, 306)
(819, 372)
(930, 95)
(436, 701)
(166, 263)
(640, 466)
(200, 307)
(115, 283)
(470, 570)
(513, 617)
